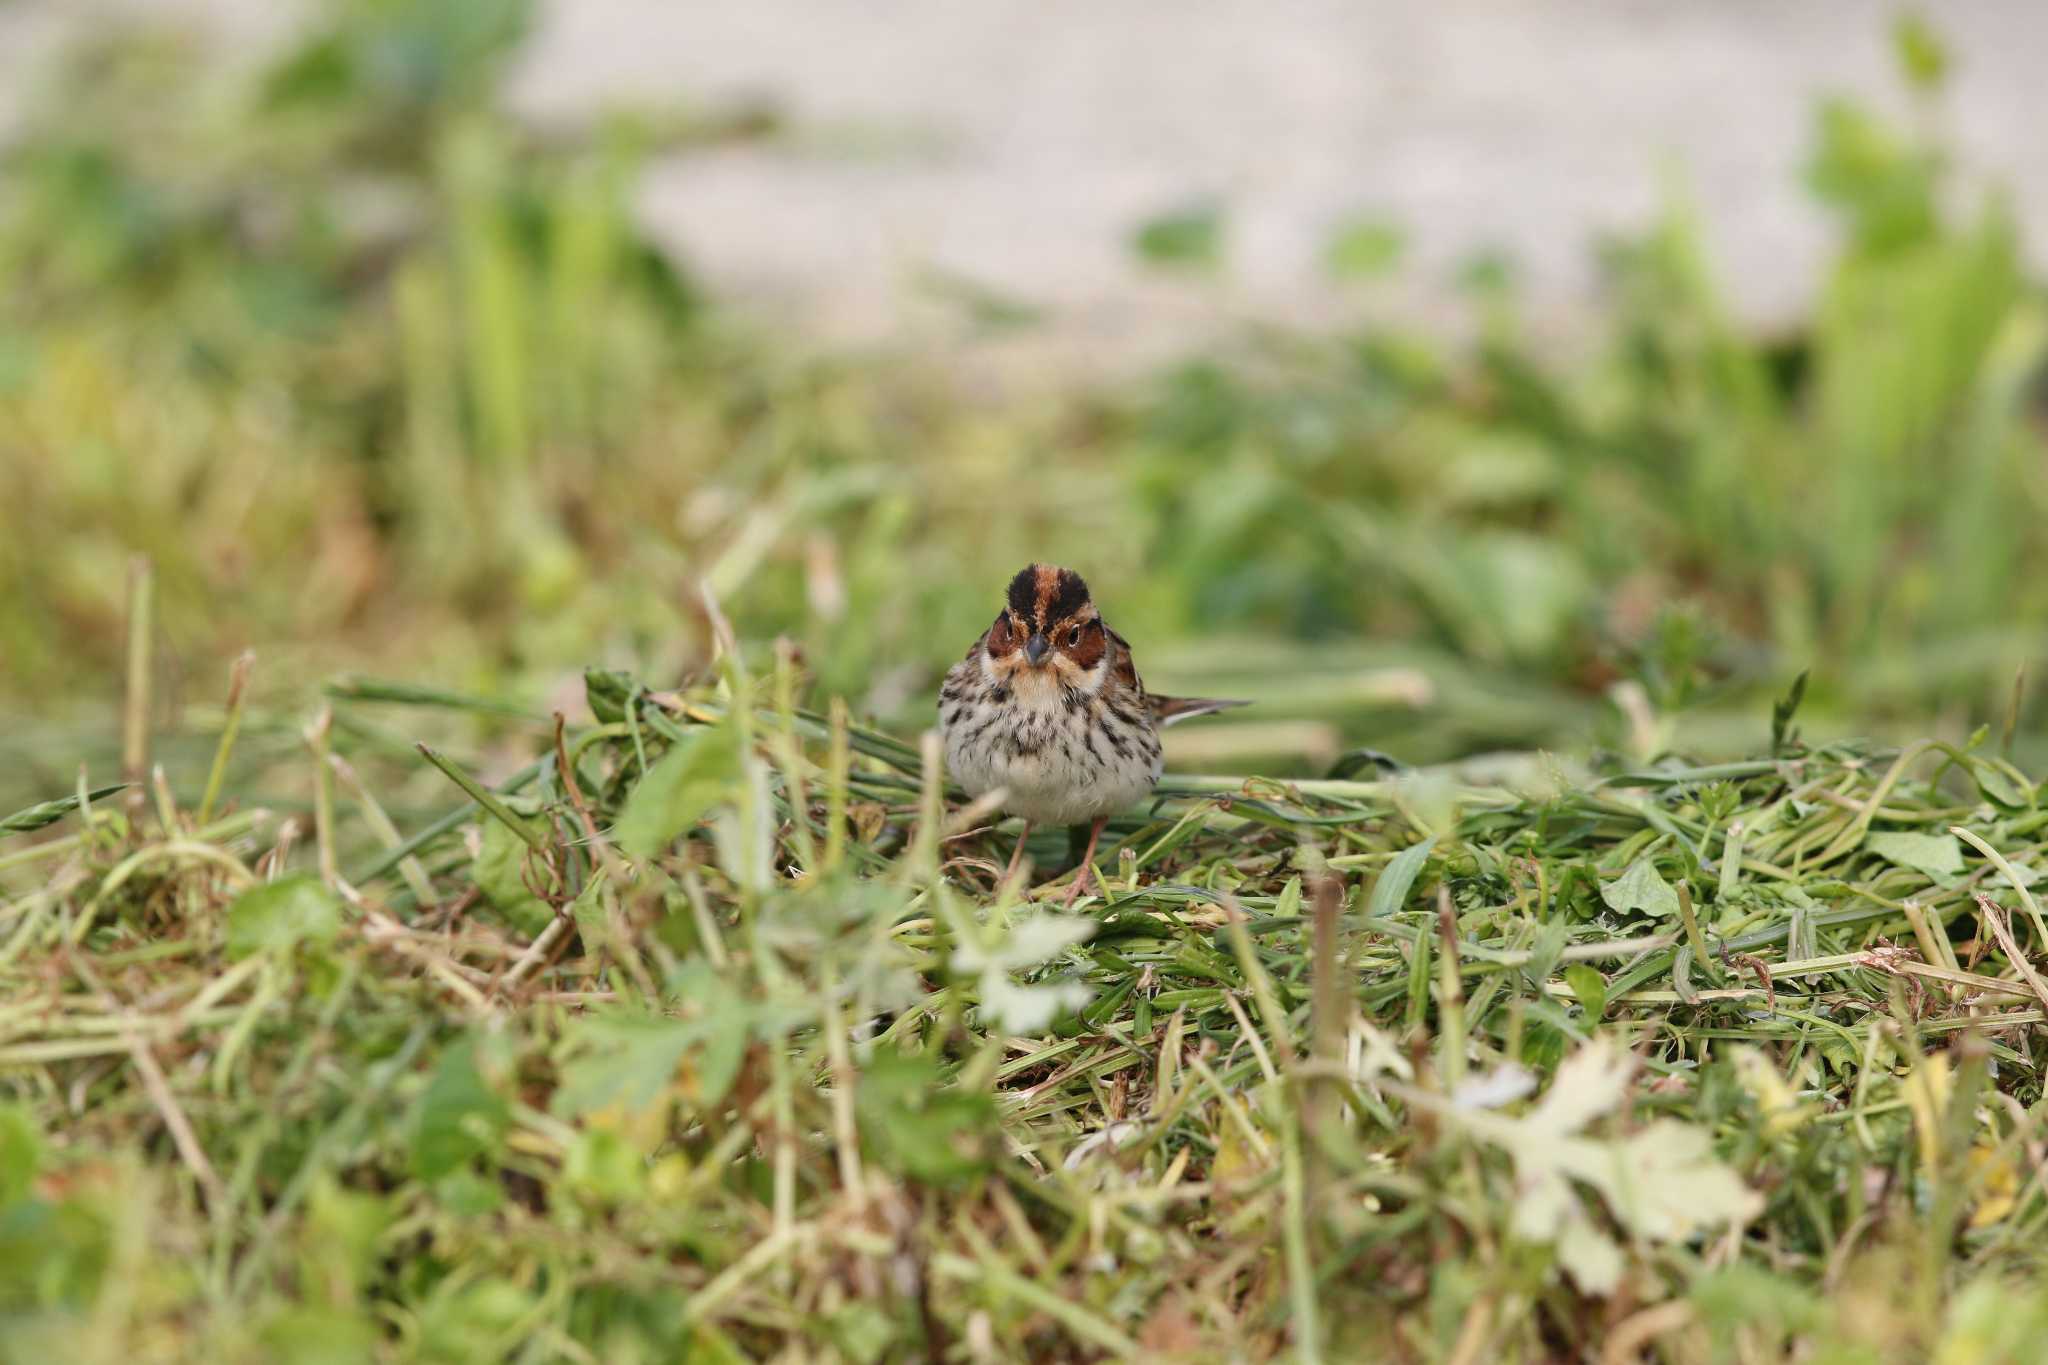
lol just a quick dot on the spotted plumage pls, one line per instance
(1049, 707)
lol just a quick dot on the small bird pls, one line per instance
(1048, 706)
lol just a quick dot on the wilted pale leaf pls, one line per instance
(1926, 1093)
(1663, 1182)
(1591, 1082)
(1374, 1054)
(745, 835)
(1589, 1256)
(1492, 1089)
(1997, 1182)
(1544, 1201)
(1774, 1095)
(1027, 1010)
(1027, 942)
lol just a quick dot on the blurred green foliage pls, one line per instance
(376, 374)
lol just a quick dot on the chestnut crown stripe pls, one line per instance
(1044, 595)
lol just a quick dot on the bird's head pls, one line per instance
(1048, 632)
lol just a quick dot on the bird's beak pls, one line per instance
(1035, 649)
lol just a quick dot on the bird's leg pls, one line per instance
(1077, 841)
(1017, 857)
(1087, 868)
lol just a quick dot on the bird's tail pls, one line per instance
(1169, 710)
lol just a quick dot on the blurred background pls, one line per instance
(1449, 379)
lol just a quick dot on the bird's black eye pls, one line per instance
(1073, 637)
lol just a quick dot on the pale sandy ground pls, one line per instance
(1017, 142)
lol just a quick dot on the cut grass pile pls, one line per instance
(708, 1034)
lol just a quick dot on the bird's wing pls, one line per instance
(1167, 710)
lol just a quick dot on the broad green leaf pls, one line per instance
(283, 914)
(342, 1230)
(1998, 784)
(862, 1331)
(686, 782)
(21, 1152)
(458, 1117)
(500, 869)
(1640, 888)
(623, 1059)
(603, 1164)
(1923, 57)
(464, 1192)
(1390, 892)
(1589, 986)
(320, 1335)
(1189, 238)
(628, 1060)
(1363, 247)
(916, 1124)
(1940, 856)
(723, 1018)
(607, 692)
(467, 1320)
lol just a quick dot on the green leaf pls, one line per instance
(1940, 856)
(500, 870)
(1390, 892)
(687, 781)
(283, 914)
(862, 1331)
(21, 1152)
(319, 1335)
(1998, 784)
(1923, 57)
(915, 1124)
(459, 1117)
(629, 1059)
(602, 1164)
(1589, 986)
(608, 692)
(1187, 238)
(1363, 248)
(624, 1059)
(465, 1193)
(1641, 888)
